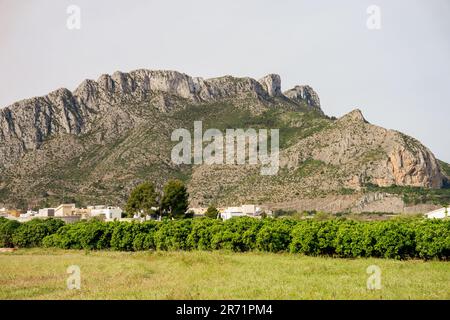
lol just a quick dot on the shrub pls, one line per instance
(398, 239)
(172, 235)
(433, 239)
(274, 237)
(52, 241)
(145, 239)
(394, 239)
(212, 212)
(31, 233)
(354, 239)
(305, 238)
(123, 235)
(202, 233)
(7, 229)
(237, 234)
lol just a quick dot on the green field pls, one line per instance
(41, 274)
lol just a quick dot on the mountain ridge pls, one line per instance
(100, 140)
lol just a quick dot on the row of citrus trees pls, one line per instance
(398, 239)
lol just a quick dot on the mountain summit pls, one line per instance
(94, 144)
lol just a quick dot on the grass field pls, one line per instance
(41, 274)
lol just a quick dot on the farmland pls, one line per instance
(42, 273)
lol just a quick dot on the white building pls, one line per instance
(251, 210)
(28, 214)
(438, 214)
(46, 212)
(244, 210)
(110, 213)
(231, 212)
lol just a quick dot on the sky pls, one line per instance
(398, 74)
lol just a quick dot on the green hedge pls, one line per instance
(396, 239)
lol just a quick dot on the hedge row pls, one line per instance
(426, 239)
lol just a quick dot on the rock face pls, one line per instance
(304, 93)
(272, 84)
(26, 124)
(95, 143)
(365, 153)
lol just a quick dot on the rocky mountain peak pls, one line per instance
(272, 84)
(354, 115)
(306, 94)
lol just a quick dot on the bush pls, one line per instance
(394, 240)
(7, 229)
(237, 234)
(433, 239)
(212, 212)
(52, 241)
(274, 237)
(145, 239)
(398, 239)
(123, 235)
(31, 233)
(305, 238)
(172, 235)
(354, 239)
(202, 233)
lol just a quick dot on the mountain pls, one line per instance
(93, 145)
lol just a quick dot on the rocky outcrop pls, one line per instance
(354, 115)
(364, 153)
(25, 124)
(272, 84)
(304, 94)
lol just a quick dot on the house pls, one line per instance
(28, 215)
(69, 209)
(64, 210)
(3, 212)
(13, 212)
(438, 214)
(231, 212)
(110, 213)
(244, 210)
(251, 210)
(46, 212)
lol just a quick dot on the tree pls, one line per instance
(141, 200)
(175, 200)
(212, 212)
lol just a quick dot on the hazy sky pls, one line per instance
(399, 76)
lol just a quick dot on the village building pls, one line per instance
(438, 214)
(110, 213)
(46, 212)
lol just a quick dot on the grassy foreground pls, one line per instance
(41, 274)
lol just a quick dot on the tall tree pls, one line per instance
(175, 200)
(141, 200)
